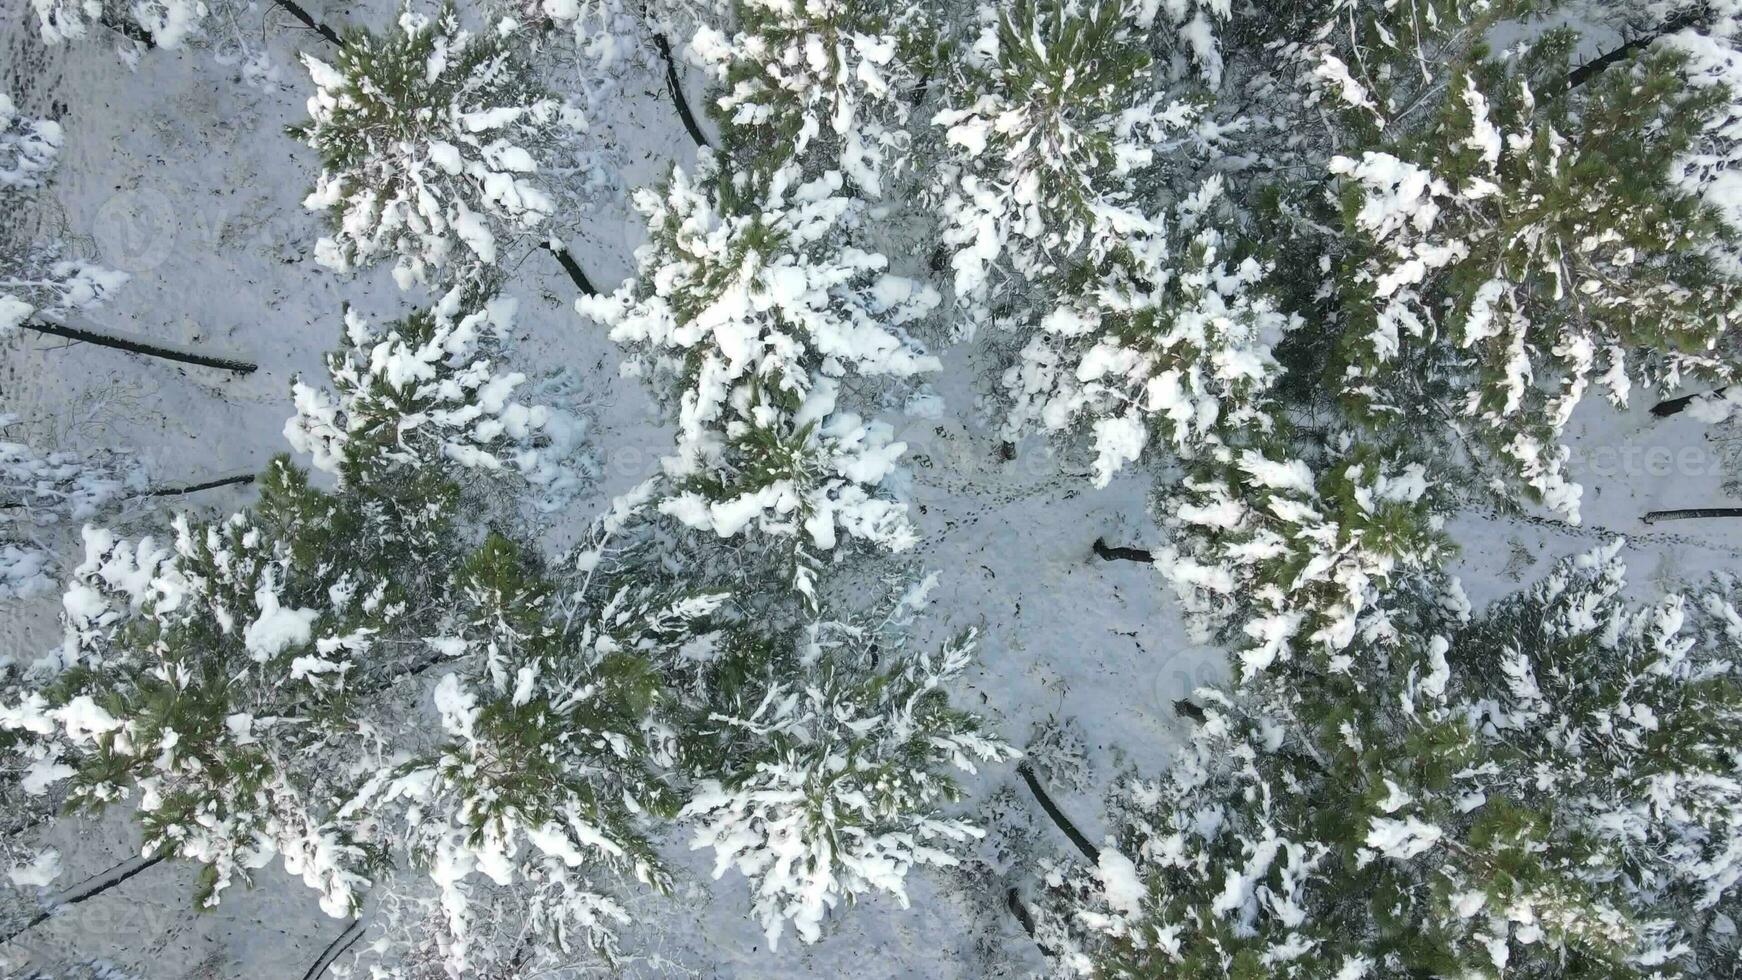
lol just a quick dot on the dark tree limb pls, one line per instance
(675, 83)
(572, 267)
(300, 13)
(132, 32)
(89, 888)
(1652, 517)
(1675, 406)
(1089, 850)
(1107, 552)
(241, 479)
(1013, 899)
(1187, 709)
(919, 93)
(335, 949)
(147, 348)
(1590, 69)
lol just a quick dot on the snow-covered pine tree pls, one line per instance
(430, 138)
(750, 311)
(425, 391)
(1097, 183)
(557, 742)
(35, 277)
(824, 81)
(1550, 789)
(1053, 110)
(823, 758)
(231, 682)
(1514, 233)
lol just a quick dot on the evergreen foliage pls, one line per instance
(1549, 788)
(429, 137)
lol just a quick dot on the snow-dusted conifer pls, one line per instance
(824, 81)
(749, 314)
(556, 745)
(1529, 240)
(1169, 336)
(424, 391)
(430, 138)
(1555, 781)
(824, 761)
(1053, 112)
(228, 681)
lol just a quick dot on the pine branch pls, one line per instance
(335, 949)
(297, 11)
(1652, 517)
(90, 888)
(571, 267)
(43, 324)
(1590, 69)
(1089, 850)
(1675, 406)
(1107, 552)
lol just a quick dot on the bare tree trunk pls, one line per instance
(241, 479)
(1089, 850)
(335, 949)
(167, 352)
(1107, 552)
(1652, 517)
(1013, 900)
(1590, 69)
(573, 268)
(296, 10)
(90, 888)
(1675, 406)
(675, 83)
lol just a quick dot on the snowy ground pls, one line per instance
(177, 171)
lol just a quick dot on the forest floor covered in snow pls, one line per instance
(177, 170)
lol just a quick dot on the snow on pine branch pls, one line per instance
(39, 490)
(1528, 246)
(549, 772)
(1054, 112)
(35, 276)
(1554, 777)
(166, 22)
(823, 80)
(1172, 337)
